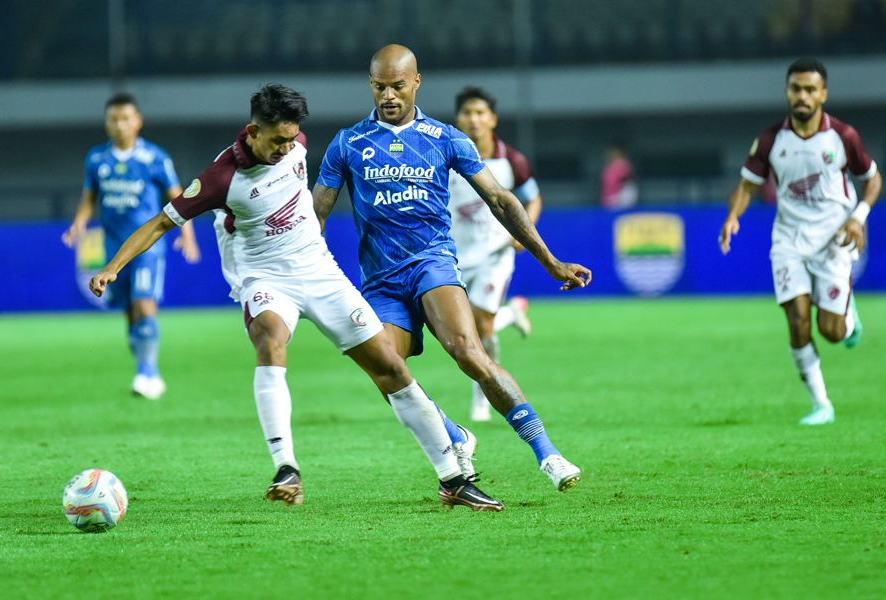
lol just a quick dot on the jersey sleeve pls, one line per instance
(207, 192)
(89, 174)
(464, 158)
(164, 172)
(756, 165)
(333, 167)
(525, 185)
(858, 161)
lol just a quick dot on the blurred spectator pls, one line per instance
(618, 188)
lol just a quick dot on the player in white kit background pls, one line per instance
(280, 269)
(819, 227)
(486, 250)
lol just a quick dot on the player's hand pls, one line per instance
(571, 274)
(730, 228)
(852, 232)
(70, 237)
(189, 249)
(100, 281)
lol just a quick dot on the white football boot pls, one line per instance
(148, 387)
(563, 473)
(820, 415)
(464, 452)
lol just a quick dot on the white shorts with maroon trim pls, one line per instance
(488, 282)
(326, 297)
(826, 276)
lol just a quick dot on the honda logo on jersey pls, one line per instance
(280, 220)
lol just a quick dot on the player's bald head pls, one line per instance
(393, 57)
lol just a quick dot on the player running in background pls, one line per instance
(396, 165)
(124, 184)
(819, 227)
(280, 269)
(485, 248)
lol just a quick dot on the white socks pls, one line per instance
(417, 413)
(274, 407)
(503, 318)
(809, 366)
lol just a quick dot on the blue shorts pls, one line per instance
(396, 298)
(142, 279)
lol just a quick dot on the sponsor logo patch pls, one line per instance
(429, 129)
(358, 318)
(368, 153)
(281, 221)
(193, 189)
(520, 414)
(254, 193)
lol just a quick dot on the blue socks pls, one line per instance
(144, 339)
(456, 435)
(531, 430)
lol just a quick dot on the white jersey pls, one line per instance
(265, 223)
(477, 233)
(815, 196)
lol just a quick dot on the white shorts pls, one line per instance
(825, 276)
(488, 282)
(326, 297)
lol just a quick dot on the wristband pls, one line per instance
(861, 212)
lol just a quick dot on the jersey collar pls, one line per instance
(419, 116)
(243, 153)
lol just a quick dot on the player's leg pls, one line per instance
(346, 318)
(270, 320)
(793, 289)
(418, 413)
(489, 339)
(449, 317)
(145, 283)
(514, 313)
(837, 317)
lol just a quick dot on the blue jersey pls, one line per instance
(128, 192)
(399, 185)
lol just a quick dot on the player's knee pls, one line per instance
(833, 331)
(471, 359)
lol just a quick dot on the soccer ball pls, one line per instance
(94, 500)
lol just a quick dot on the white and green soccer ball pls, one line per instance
(95, 500)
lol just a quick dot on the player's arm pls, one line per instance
(533, 211)
(738, 203)
(141, 239)
(186, 242)
(852, 231)
(85, 211)
(324, 200)
(510, 213)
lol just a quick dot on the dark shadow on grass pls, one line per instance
(721, 423)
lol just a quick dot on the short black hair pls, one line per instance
(474, 93)
(120, 99)
(808, 65)
(275, 103)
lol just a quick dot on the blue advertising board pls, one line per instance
(644, 252)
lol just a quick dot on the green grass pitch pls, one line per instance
(698, 483)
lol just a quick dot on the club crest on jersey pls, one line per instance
(395, 147)
(431, 130)
(281, 221)
(120, 168)
(828, 156)
(299, 170)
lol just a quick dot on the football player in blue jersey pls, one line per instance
(124, 184)
(396, 164)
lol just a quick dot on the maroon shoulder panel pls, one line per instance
(519, 164)
(213, 188)
(758, 161)
(858, 161)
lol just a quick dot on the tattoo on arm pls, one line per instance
(324, 200)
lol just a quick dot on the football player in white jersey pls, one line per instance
(280, 269)
(485, 248)
(820, 225)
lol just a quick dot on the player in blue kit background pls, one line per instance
(124, 184)
(396, 164)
